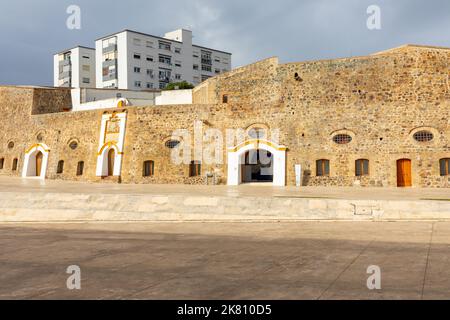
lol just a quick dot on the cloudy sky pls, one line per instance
(295, 30)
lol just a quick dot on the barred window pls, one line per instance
(423, 136)
(172, 144)
(149, 168)
(195, 169)
(444, 167)
(342, 139)
(322, 168)
(362, 167)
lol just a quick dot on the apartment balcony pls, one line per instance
(66, 62)
(111, 48)
(207, 62)
(109, 63)
(65, 75)
(110, 76)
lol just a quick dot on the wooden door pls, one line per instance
(404, 176)
(39, 157)
(111, 156)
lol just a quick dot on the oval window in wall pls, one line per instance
(342, 139)
(172, 144)
(423, 136)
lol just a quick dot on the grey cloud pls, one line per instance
(32, 31)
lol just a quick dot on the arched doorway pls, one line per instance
(111, 158)
(404, 175)
(257, 166)
(39, 158)
(35, 162)
(245, 163)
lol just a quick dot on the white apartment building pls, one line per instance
(133, 60)
(75, 68)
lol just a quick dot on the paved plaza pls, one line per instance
(298, 260)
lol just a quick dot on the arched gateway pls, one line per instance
(257, 160)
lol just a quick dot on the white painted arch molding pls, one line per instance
(236, 155)
(29, 166)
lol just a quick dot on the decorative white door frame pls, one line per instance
(29, 165)
(237, 154)
(106, 144)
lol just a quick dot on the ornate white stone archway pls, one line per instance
(112, 136)
(29, 166)
(236, 156)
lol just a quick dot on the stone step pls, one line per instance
(43, 207)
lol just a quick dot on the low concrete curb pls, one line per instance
(75, 207)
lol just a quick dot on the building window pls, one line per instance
(178, 64)
(225, 98)
(149, 85)
(86, 68)
(15, 164)
(177, 50)
(322, 168)
(137, 56)
(137, 70)
(136, 42)
(60, 168)
(137, 84)
(172, 144)
(10, 145)
(217, 71)
(162, 85)
(178, 77)
(195, 66)
(2, 163)
(80, 168)
(445, 167)
(149, 168)
(150, 73)
(164, 75)
(150, 59)
(206, 68)
(195, 169)
(362, 167)
(164, 45)
(342, 139)
(423, 136)
(149, 44)
(206, 57)
(86, 80)
(165, 59)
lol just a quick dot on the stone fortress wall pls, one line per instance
(379, 100)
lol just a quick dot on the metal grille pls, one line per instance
(423, 136)
(172, 144)
(342, 139)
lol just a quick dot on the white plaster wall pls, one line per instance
(171, 97)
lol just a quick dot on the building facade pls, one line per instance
(75, 68)
(137, 61)
(381, 120)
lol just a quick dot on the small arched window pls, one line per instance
(342, 138)
(80, 168)
(149, 168)
(362, 167)
(73, 145)
(15, 164)
(444, 165)
(322, 167)
(423, 136)
(60, 168)
(2, 163)
(195, 169)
